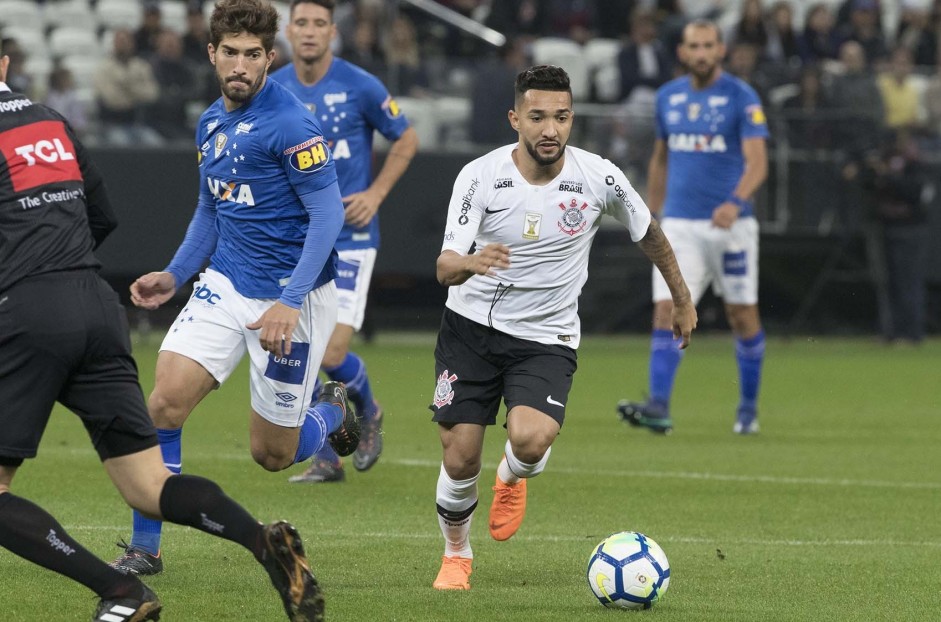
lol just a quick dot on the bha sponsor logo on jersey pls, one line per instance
(701, 143)
(231, 191)
(38, 154)
(291, 368)
(309, 156)
(391, 107)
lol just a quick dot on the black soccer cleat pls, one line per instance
(137, 561)
(648, 414)
(283, 557)
(370, 443)
(129, 609)
(319, 471)
(345, 438)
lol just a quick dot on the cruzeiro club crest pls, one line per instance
(573, 217)
(443, 391)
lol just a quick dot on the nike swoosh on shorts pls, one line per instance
(554, 403)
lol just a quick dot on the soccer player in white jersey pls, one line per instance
(351, 105)
(268, 214)
(515, 257)
(709, 159)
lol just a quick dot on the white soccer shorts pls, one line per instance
(708, 255)
(211, 331)
(354, 274)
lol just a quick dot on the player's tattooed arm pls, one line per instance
(657, 248)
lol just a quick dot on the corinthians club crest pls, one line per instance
(444, 394)
(573, 217)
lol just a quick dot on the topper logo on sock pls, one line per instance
(292, 368)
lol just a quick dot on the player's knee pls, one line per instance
(532, 449)
(271, 461)
(166, 412)
(461, 467)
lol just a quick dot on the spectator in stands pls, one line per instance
(783, 49)
(809, 113)
(916, 33)
(855, 94)
(124, 84)
(864, 28)
(896, 181)
(178, 86)
(819, 42)
(643, 62)
(196, 37)
(860, 114)
(931, 100)
(405, 73)
(572, 19)
(899, 93)
(809, 116)
(750, 29)
(520, 18)
(743, 63)
(63, 98)
(844, 15)
(18, 79)
(489, 103)
(363, 47)
(671, 19)
(145, 37)
(611, 15)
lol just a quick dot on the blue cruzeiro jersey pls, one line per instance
(253, 164)
(703, 131)
(350, 104)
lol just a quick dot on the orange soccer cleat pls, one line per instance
(454, 574)
(508, 509)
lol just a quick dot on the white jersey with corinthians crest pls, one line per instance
(549, 230)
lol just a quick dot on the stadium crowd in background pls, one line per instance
(419, 56)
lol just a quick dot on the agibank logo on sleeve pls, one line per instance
(291, 368)
(309, 156)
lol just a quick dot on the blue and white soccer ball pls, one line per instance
(628, 570)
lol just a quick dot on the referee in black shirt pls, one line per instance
(64, 337)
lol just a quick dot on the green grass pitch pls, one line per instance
(831, 513)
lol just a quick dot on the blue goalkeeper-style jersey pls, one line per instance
(703, 131)
(254, 162)
(350, 104)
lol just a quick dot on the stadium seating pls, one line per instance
(67, 41)
(75, 14)
(569, 56)
(119, 14)
(601, 56)
(20, 13)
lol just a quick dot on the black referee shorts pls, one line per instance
(476, 365)
(64, 337)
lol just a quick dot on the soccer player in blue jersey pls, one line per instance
(709, 159)
(350, 105)
(268, 213)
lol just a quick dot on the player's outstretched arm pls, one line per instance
(657, 248)
(454, 268)
(152, 290)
